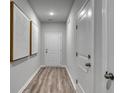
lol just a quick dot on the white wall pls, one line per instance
(98, 48)
(61, 27)
(22, 70)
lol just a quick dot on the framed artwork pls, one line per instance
(33, 38)
(19, 33)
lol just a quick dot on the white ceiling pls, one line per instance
(61, 9)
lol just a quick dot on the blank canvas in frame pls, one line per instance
(34, 38)
(20, 36)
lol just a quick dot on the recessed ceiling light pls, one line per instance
(51, 13)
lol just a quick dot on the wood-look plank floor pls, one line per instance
(50, 80)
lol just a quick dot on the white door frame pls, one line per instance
(60, 48)
(105, 39)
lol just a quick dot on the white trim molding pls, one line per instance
(80, 88)
(74, 85)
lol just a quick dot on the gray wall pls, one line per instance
(22, 70)
(61, 27)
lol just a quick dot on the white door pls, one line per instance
(85, 49)
(53, 46)
(108, 48)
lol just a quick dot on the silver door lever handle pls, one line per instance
(88, 64)
(109, 75)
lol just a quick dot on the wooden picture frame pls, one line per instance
(11, 29)
(19, 33)
(30, 38)
(34, 39)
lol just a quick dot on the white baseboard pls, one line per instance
(80, 88)
(53, 66)
(29, 80)
(43, 66)
(74, 85)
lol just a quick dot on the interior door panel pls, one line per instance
(84, 48)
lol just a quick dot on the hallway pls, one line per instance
(50, 80)
(61, 46)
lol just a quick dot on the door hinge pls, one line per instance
(89, 56)
(76, 81)
(76, 54)
(76, 27)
